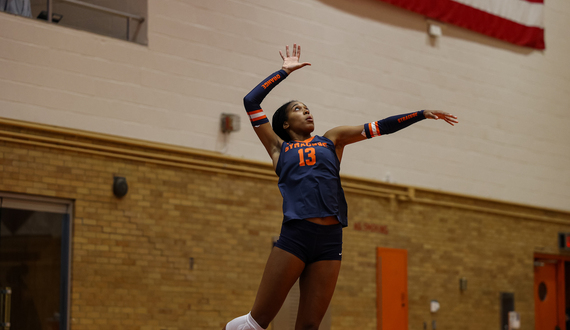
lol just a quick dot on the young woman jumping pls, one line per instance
(314, 208)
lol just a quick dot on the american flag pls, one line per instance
(519, 22)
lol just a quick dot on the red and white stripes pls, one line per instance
(520, 22)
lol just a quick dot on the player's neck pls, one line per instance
(299, 137)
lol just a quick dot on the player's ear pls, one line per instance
(285, 125)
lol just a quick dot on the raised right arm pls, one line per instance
(252, 102)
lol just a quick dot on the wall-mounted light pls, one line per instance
(120, 187)
(434, 30)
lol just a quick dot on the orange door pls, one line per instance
(545, 296)
(392, 289)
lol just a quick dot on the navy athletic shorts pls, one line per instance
(311, 242)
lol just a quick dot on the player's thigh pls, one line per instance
(317, 284)
(281, 272)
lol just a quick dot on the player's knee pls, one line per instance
(245, 322)
(308, 324)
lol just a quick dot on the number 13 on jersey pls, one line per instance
(307, 157)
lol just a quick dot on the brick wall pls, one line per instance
(186, 247)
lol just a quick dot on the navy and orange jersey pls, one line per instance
(252, 101)
(392, 124)
(309, 180)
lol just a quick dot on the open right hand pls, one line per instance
(291, 62)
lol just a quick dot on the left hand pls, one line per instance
(437, 114)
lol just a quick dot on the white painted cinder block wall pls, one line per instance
(370, 60)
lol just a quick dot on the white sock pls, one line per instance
(245, 322)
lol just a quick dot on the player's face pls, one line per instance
(299, 118)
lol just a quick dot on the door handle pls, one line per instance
(5, 306)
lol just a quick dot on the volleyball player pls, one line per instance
(314, 207)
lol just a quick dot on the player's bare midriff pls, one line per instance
(326, 221)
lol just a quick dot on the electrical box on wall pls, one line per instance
(229, 123)
(564, 241)
(514, 320)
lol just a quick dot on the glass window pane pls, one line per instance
(30, 264)
(37, 7)
(105, 23)
(16, 7)
(105, 19)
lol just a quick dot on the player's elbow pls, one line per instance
(250, 103)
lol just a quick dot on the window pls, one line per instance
(122, 19)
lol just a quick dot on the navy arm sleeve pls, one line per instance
(392, 124)
(252, 101)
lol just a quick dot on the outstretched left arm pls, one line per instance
(344, 135)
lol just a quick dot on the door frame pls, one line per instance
(560, 284)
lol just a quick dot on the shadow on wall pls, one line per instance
(383, 12)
